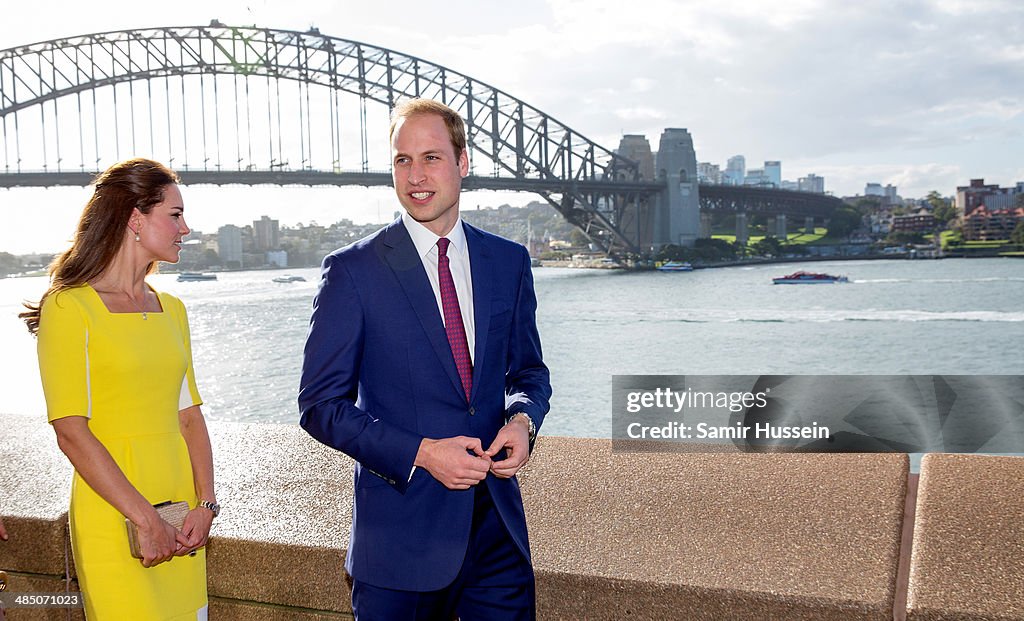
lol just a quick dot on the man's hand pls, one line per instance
(458, 463)
(514, 436)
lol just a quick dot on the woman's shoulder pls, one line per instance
(170, 302)
(77, 296)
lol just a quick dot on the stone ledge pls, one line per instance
(767, 529)
(650, 535)
(968, 557)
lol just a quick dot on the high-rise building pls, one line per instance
(757, 177)
(773, 171)
(229, 244)
(874, 189)
(811, 183)
(266, 233)
(709, 173)
(735, 170)
(992, 197)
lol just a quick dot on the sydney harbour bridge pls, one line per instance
(247, 105)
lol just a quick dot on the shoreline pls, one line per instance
(778, 260)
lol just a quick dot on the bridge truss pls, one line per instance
(253, 105)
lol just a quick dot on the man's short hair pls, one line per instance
(452, 120)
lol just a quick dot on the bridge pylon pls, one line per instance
(677, 212)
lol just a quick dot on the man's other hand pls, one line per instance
(514, 436)
(458, 463)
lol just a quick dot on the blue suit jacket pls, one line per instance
(378, 376)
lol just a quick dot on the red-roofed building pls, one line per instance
(984, 225)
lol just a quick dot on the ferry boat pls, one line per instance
(195, 276)
(289, 278)
(808, 278)
(674, 266)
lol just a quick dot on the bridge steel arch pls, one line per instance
(595, 189)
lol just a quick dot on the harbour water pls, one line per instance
(953, 316)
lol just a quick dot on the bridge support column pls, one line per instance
(742, 234)
(677, 215)
(780, 226)
(705, 225)
(809, 225)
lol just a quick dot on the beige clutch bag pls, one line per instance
(171, 512)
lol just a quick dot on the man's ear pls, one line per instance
(464, 164)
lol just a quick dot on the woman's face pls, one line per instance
(160, 231)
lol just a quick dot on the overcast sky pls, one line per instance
(921, 94)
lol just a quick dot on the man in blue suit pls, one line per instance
(423, 363)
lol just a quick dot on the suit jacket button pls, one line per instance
(472, 410)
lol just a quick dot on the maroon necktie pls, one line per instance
(453, 317)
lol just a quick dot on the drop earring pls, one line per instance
(137, 238)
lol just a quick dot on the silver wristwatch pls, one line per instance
(529, 420)
(212, 506)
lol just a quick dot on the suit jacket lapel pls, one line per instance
(482, 269)
(400, 253)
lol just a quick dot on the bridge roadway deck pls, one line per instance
(317, 177)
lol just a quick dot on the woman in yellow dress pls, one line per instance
(116, 365)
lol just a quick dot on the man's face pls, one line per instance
(427, 175)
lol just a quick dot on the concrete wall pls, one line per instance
(638, 535)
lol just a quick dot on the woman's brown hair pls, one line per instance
(131, 184)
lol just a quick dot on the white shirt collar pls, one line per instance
(425, 240)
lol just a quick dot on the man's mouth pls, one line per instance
(421, 195)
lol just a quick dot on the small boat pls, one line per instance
(195, 276)
(289, 278)
(674, 266)
(808, 278)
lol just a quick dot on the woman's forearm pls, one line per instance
(200, 452)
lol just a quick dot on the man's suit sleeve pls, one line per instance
(527, 372)
(330, 379)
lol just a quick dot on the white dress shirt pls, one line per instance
(425, 241)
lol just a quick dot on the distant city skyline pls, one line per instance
(919, 95)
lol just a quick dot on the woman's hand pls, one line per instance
(196, 530)
(158, 541)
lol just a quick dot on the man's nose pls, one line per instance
(416, 174)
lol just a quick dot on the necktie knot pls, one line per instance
(442, 246)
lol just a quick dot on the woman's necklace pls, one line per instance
(145, 315)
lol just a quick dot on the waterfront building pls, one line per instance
(983, 224)
(277, 258)
(974, 196)
(229, 245)
(921, 222)
(735, 170)
(266, 233)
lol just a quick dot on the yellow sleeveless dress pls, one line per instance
(129, 375)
